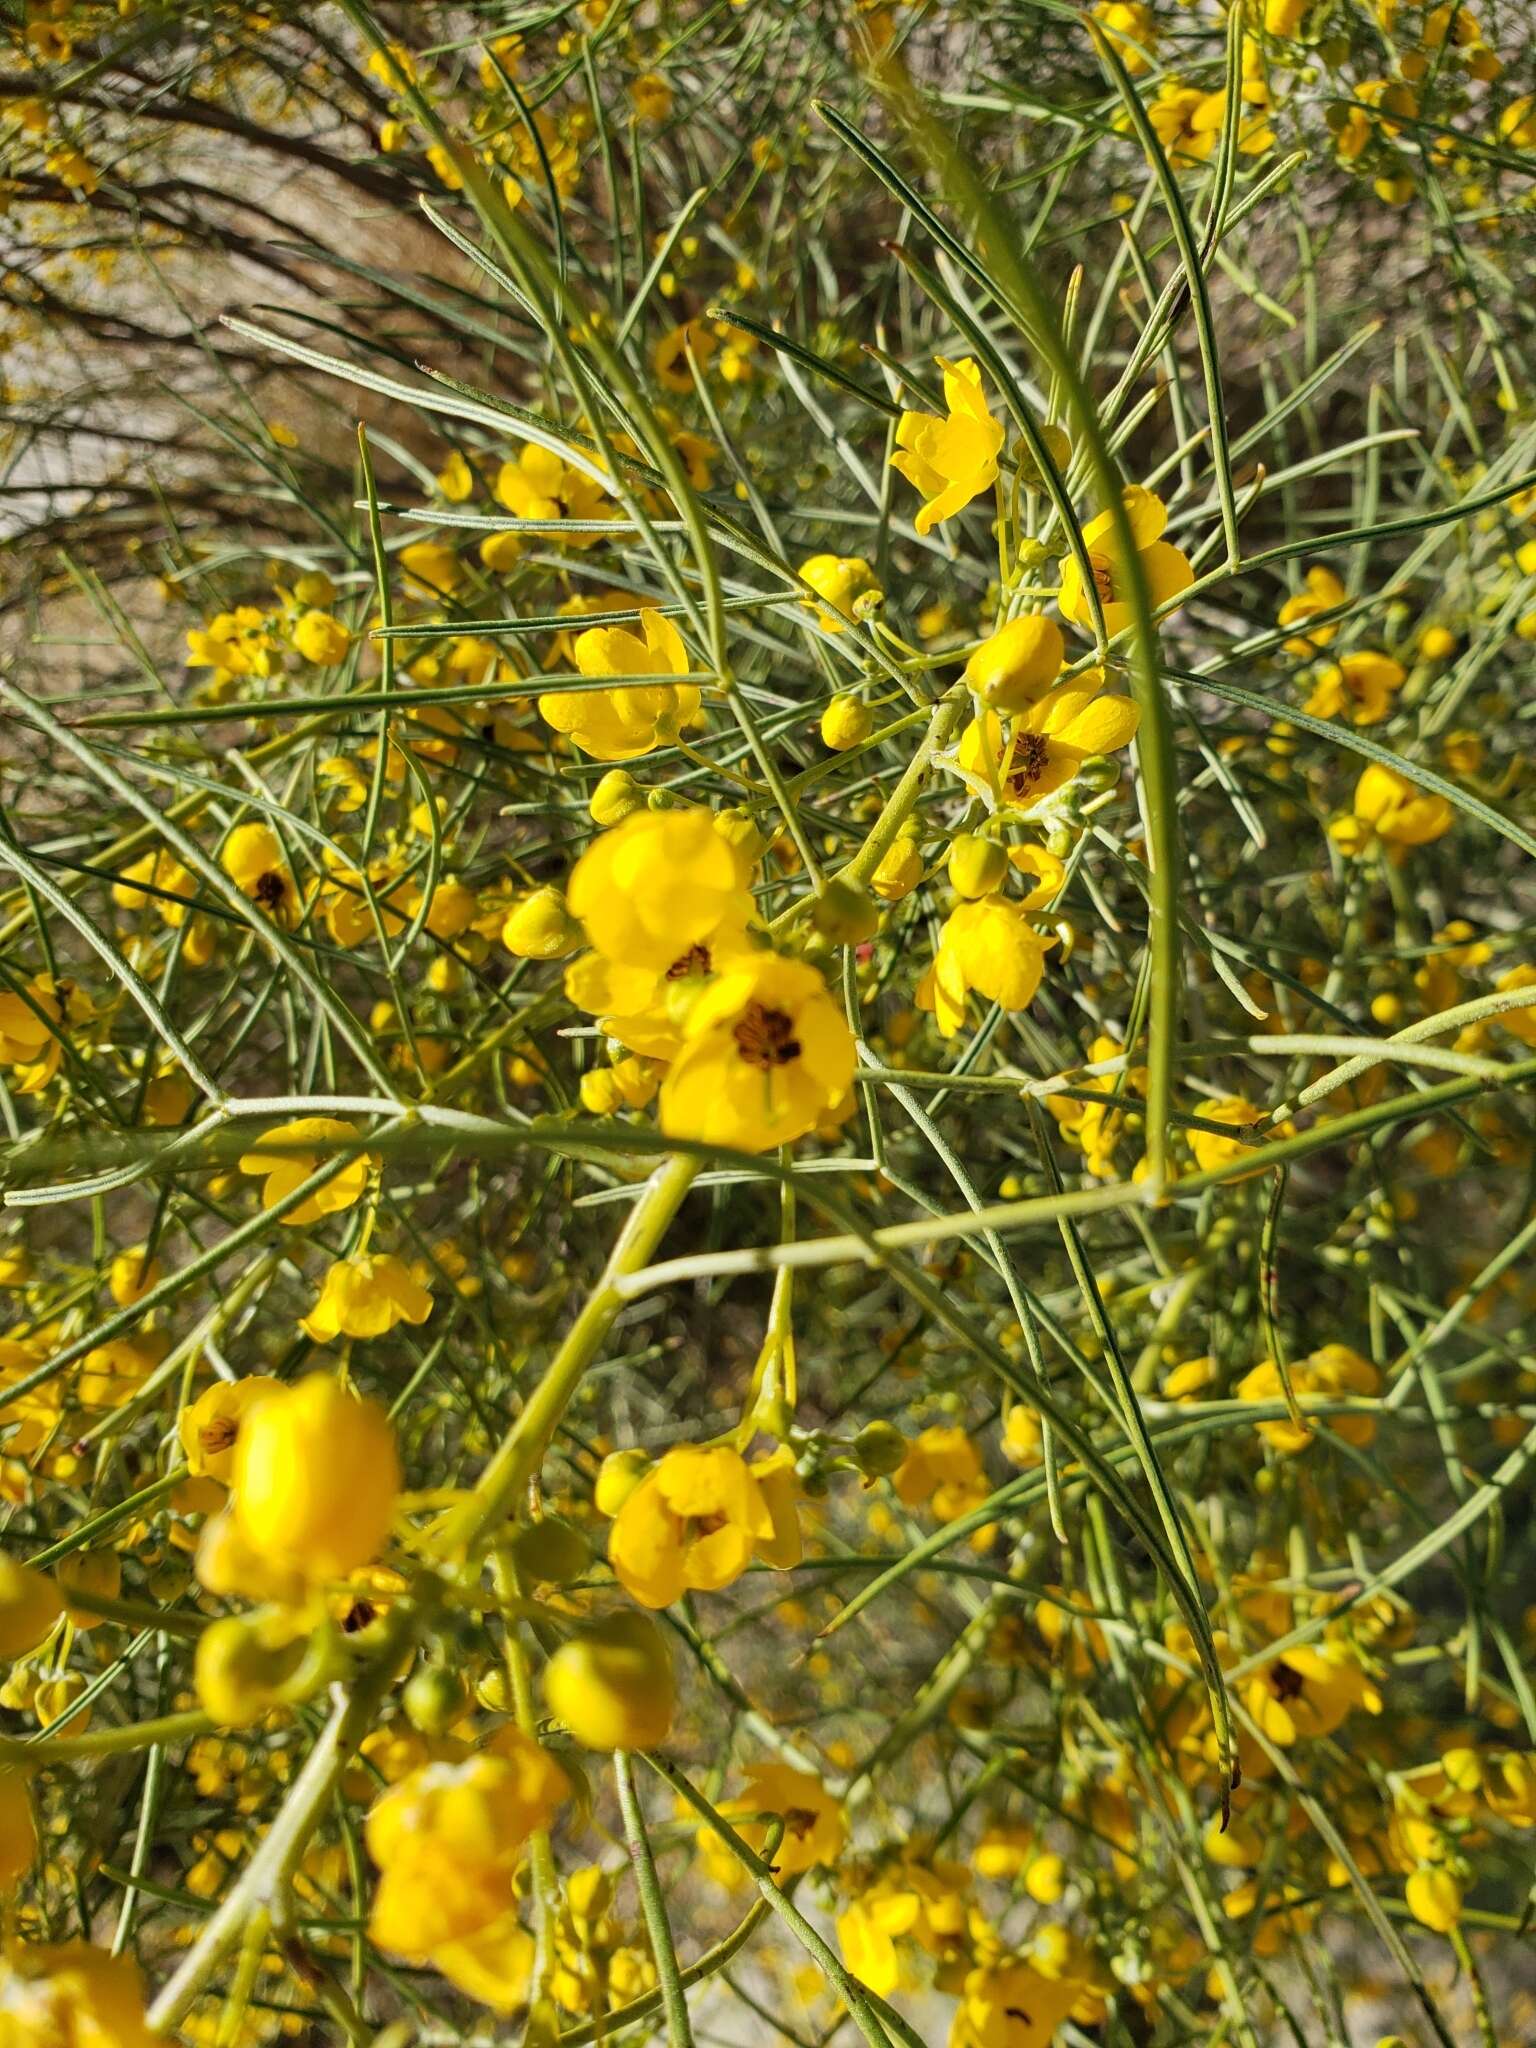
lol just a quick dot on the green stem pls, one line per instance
(654, 1906)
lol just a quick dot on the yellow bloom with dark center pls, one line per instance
(210, 1427)
(1046, 745)
(284, 1161)
(988, 946)
(1010, 2004)
(620, 724)
(1388, 807)
(315, 1478)
(669, 358)
(1165, 568)
(366, 1296)
(766, 1051)
(693, 1524)
(954, 459)
(1322, 592)
(254, 860)
(815, 1828)
(659, 885)
(1362, 684)
(1308, 1692)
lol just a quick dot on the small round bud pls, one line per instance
(97, 1573)
(433, 1699)
(1098, 773)
(900, 869)
(845, 913)
(615, 797)
(612, 1684)
(553, 1551)
(541, 928)
(618, 1476)
(1018, 664)
(879, 1449)
(846, 721)
(977, 866)
(241, 1668)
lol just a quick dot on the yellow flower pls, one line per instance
(71, 1996)
(1131, 27)
(694, 1523)
(814, 1825)
(1308, 1692)
(1388, 807)
(447, 1839)
(652, 97)
(1009, 2004)
(954, 459)
(1323, 592)
(1165, 568)
(659, 886)
(942, 1470)
(365, 1296)
(1046, 745)
(1212, 1151)
(255, 862)
(31, 1030)
(237, 643)
(1333, 1372)
(210, 1427)
(840, 581)
(432, 565)
(29, 1607)
(1434, 1898)
(321, 639)
(989, 946)
(1363, 683)
(612, 1684)
(315, 1478)
(669, 357)
(284, 1170)
(1520, 1021)
(619, 725)
(765, 1052)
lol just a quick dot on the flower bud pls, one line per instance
(241, 1668)
(615, 797)
(541, 928)
(612, 1684)
(433, 1699)
(900, 869)
(618, 1476)
(845, 913)
(976, 866)
(879, 1449)
(29, 1606)
(315, 1478)
(846, 721)
(1018, 664)
(551, 1552)
(98, 1572)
